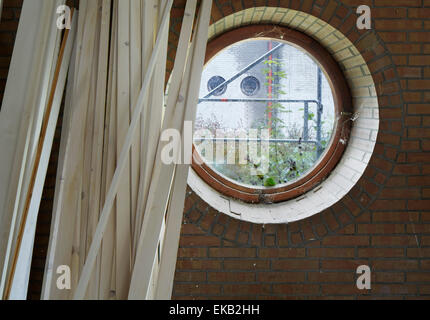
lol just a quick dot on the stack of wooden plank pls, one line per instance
(28, 120)
(118, 207)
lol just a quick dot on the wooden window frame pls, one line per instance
(343, 108)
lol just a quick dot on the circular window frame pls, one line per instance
(343, 107)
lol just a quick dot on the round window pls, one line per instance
(276, 132)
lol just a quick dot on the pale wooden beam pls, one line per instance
(62, 156)
(170, 247)
(157, 202)
(108, 257)
(149, 13)
(123, 206)
(98, 134)
(21, 266)
(135, 86)
(24, 102)
(121, 165)
(65, 238)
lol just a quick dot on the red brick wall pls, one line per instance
(384, 222)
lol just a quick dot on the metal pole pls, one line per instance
(258, 100)
(320, 111)
(253, 140)
(306, 123)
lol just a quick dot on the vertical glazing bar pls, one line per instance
(306, 122)
(320, 111)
